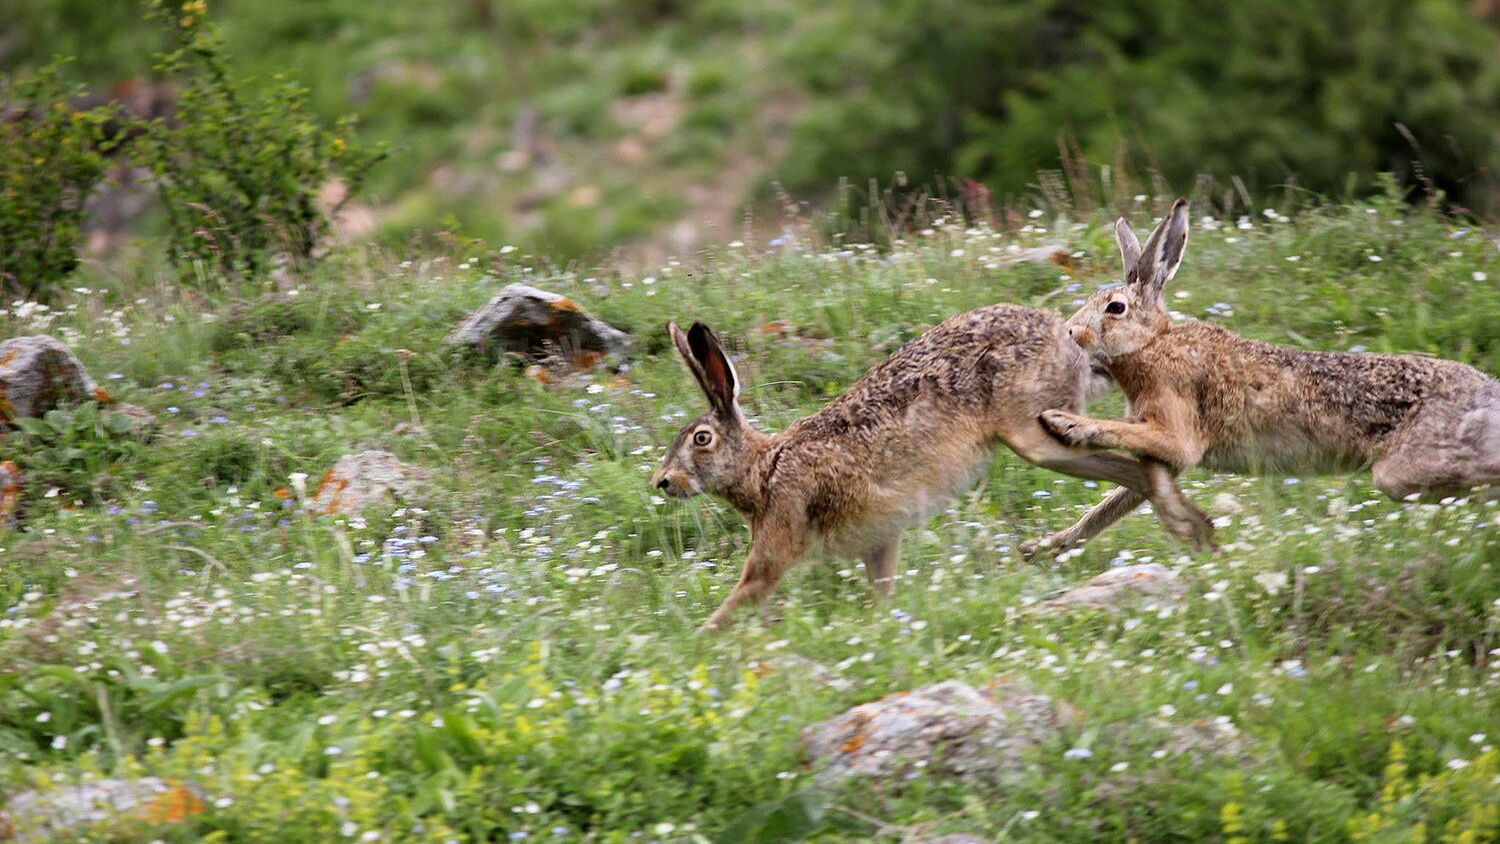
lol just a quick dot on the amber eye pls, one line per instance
(703, 438)
(1115, 308)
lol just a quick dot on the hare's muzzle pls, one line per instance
(673, 483)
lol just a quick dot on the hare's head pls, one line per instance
(712, 453)
(1120, 320)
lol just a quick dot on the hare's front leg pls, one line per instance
(1114, 507)
(1145, 439)
(772, 552)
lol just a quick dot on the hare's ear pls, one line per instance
(706, 359)
(1130, 248)
(1162, 254)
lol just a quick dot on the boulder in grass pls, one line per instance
(359, 481)
(38, 373)
(948, 730)
(71, 811)
(1149, 584)
(140, 423)
(539, 325)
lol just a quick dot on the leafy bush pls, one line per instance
(51, 158)
(1271, 92)
(74, 450)
(239, 171)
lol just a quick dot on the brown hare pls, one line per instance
(914, 431)
(1202, 396)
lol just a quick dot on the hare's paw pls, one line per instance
(1068, 427)
(1033, 549)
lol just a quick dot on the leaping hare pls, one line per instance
(1202, 396)
(885, 455)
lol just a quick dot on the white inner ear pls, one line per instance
(734, 377)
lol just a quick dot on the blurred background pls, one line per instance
(580, 128)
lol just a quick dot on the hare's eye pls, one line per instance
(703, 438)
(1115, 308)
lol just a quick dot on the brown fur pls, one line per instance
(907, 437)
(1203, 396)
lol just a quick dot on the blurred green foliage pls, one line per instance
(531, 121)
(1321, 95)
(51, 157)
(238, 170)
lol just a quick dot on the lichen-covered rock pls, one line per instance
(358, 481)
(1203, 740)
(10, 492)
(62, 813)
(949, 730)
(140, 423)
(36, 373)
(1151, 584)
(539, 324)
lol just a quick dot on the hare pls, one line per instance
(1202, 396)
(914, 431)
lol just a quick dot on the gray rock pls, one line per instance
(37, 373)
(949, 730)
(1152, 584)
(142, 423)
(538, 325)
(71, 810)
(359, 481)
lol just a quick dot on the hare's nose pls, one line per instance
(661, 484)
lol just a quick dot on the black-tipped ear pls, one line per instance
(1130, 247)
(1162, 254)
(719, 380)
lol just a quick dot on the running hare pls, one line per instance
(884, 456)
(1201, 396)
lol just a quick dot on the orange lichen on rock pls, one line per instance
(587, 359)
(10, 491)
(175, 805)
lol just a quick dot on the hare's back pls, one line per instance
(1000, 359)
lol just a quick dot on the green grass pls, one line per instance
(515, 654)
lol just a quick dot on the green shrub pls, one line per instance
(75, 449)
(239, 170)
(51, 158)
(1272, 92)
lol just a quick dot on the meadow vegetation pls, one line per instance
(509, 655)
(512, 657)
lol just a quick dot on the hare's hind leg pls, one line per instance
(880, 565)
(1445, 451)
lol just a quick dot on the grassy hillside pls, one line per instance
(514, 658)
(579, 126)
